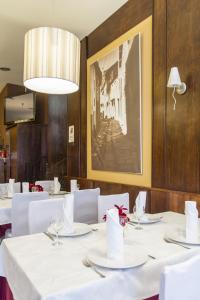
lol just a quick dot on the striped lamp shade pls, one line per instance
(51, 61)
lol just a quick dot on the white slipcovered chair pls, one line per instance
(108, 202)
(86, 206)
(4, 188)
(41, 213)
(46, 184)
(17, 187)
(181, 281)
(19, 211)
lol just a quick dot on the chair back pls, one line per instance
(46, 184)
(17, 187)
(19, 211)
(181, 281)
(86, 206)
(41, 214)
(108, 202)
(3, 189)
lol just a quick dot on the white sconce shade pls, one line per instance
(51, 61)
(174, 78)
(174, 82)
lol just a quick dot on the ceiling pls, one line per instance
(18, 16)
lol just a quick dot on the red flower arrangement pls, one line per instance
(37, 187)
(123, 218)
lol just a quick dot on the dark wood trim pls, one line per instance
(129, 15)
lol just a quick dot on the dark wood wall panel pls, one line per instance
(159, 92)
(182, 125)
(57, 135)
(129, 15)
(73, 149)
(83, 109)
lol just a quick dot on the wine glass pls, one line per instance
(138, 213)
(56, 225)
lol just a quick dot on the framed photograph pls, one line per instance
(119, 109)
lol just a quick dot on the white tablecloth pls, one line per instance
(37, 270)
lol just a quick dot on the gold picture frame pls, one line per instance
(142, 175)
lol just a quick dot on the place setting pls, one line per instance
(63, 225)
(113, 253)
(139, 216)
(188, 235)
(55, 188)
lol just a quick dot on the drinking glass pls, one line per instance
(138, 213)
(56, 225)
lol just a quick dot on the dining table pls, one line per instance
(37, 270)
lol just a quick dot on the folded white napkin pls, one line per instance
(140, 203)
(192, 222)
(73, 185)
(56, 185)
(10, 187)
(114, 235)
(68, 213)
(25, 187)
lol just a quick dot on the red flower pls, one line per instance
(122, 215)
(39, 188)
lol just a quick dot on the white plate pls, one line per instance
(59, 193)
(149, 220)
(133, 257)
(79, 229)
(178, 235)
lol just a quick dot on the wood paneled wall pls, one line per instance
(176, 134)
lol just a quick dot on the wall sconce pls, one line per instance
(175, 82)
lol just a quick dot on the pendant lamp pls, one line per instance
(51, 61)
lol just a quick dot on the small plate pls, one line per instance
(148, 220)
(178, 235)
(133, 257)
(59, 193)
(79, 229)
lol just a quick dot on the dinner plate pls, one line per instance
(79, 229)
(147, 220)
(133, 257)
(178, 235)
(59, 193)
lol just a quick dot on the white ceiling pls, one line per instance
(18, 16)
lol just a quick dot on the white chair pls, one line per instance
(25, 187)
(3, 189)
(41, 213)
(181, 281)
(86, 206)
(108, 202)
(19, 212)
(46, 184)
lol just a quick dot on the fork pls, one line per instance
(88, 264)
(172, 242)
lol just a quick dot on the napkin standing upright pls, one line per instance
(56, 185)
(192, 222)
(25, 187)
(114, 235)
(73, 185)
(68, 213)
(11, 187)
(140, 203)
